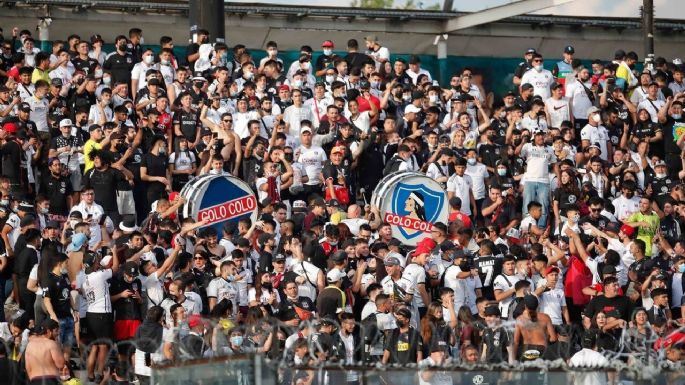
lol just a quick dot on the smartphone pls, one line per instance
(215, 135)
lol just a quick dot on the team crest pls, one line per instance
(418, 203)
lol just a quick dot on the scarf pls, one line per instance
(272, 189)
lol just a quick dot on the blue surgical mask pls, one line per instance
(502, 171)
(237, 340)
(681, 268)
(471, 161)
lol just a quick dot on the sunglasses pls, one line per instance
(596, 210)
(228, 121)
(197, 258)
(537, 61)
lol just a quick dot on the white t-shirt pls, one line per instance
(96, 291)
(580, 102)
(460, 186)
(190, 305)
(311, 273)
(558, 111)
(597, 134)
(294, 116)
(14, 222)
(221, 289)
(153, 287)
(240, 120)
(503, 284)
(362, 121)
(312, 159)
(624, 207)
(551, 302)
(39, 113)
(541, 81)
(478, 173)
(415, 274)
(652, 107)
(537, 160)
(464, 289)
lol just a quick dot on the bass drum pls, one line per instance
(217, 199)
(411, 203)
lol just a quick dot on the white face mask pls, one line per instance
(148, 59)
(330, 78)
(106, 80)
(306, 65)
(165, 62)
(596, 118)
(538, 67)
(433, 98)
(676, 116)
(297, 83)
(98, 73)
(327, 51)
(660, 175)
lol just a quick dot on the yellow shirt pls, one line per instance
(646, 233)
(87, 149)
(39, 74)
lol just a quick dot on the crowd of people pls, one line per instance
(564, 236)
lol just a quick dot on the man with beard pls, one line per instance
(58, 188)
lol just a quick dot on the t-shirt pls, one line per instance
(403, 346)
(537, 159)
(312, 159)
(551, 302)
(541, 81)
(478, 173)
(616, 307)
(504, 283)
(221, 289)
(58, 291)
(461, 186)
(596, 135)
(96, 291)
(87, 149)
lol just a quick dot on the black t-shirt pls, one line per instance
(156, 165)
(188, 122)
(324, 61)
(104, 183)
(565, 198)
(191, 50)
(496, 340)
(86, 65)
(337, 173)
(57, 289)
(125, 308)
(502, 215)
(404, 347)
(489, 266)
(133, 163)
(12, 155)
(57, 189)
(120, 67)
(357, 59)
(329, 301)
(617, 307)
(490, 154)
(24, 262)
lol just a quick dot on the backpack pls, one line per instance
(392, 165)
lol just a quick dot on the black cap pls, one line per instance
(52, 225)
(569, 49)
(131, 269)
(25, 107)
(27, 220)
(333, 203)
(439, 345)
(57, 82)
(608, 269)
(492, 310)
(279, 257)
(447, 245)
(317, 221)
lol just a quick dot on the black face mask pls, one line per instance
(517, 142)
(121, 147)
(83, 122)
(464, 266)
(288, 157)
(370, 270)
(268, 286)
(122, 47)
(198, 84)
(401, 324)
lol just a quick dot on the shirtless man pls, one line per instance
(43, 356)
(533, 331)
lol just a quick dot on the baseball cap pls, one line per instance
(411, 109)
(391, 261)
(52, 225)
(305, 129)
(373, 38)
(65, 123)
(27, 220)
(628, 230)
(131, 269)
(492, 310)
(279, 257)
(57, 82)
(592, 110)
(334, 275)
(327, 44)
(338, 149)
(9, 127)
(551, 269)
(530, 51)
(333, 203)
(25, 206)
(194, 320)
(25, 107)
(299, 205)
(660, 163)
(569, 49)
(438, 345)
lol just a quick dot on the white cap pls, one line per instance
(65, 123)
(334, 275)
(411, 108)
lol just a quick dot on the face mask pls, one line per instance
(330, 78)
(106, 80)
(575, 218)
(248, 75)
(149, 59)
(327, 51)
(597, 73)
(370, 270)
(122, 47)
(98, 73)
(375, 85)
(288, 157)
(471, 161)
(433, 98)
(44, 211)
(165, 62)
(501, 172)
(406, 98)
(676, 116)
(306, 65)
(83, 122)
(596, 118)
(63, 271)
(297, 83)
(681, 268)
(4, 202)
(162, 151)
(142, 40)
(538, 67)
(517, 142)
(237, 340)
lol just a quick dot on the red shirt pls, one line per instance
(458, 215)
(364, 104)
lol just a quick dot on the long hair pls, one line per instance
(429, 322)
(571, 187)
